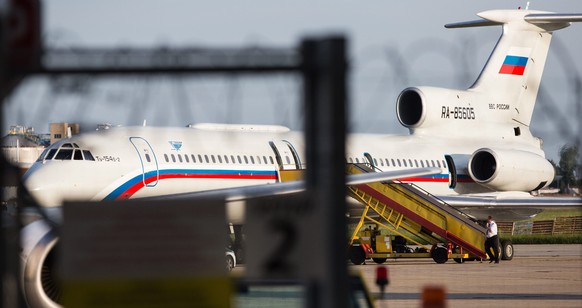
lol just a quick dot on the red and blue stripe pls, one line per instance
(135, 184)
(132, 186)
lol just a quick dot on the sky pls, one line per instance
(392, 45)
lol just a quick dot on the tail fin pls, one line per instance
(512, 75)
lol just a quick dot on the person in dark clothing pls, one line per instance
(492, 241)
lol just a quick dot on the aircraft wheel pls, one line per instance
(357, 255)
(379, 260)
(506, 250)
(440, 255)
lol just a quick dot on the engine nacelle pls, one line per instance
(39, 283)
(423, 107)
(510, 170)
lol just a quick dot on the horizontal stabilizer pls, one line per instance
(472, 23)
(552, 18)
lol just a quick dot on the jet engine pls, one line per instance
(510, 170)
(40, 285)
(422, 107)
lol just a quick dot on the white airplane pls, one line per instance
(479, 138)
(471, 147)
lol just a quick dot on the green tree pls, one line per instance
(569, 163)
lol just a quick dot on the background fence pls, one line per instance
(559, 225)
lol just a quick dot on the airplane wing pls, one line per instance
(234, 194)
(278, 189)
(509, 206)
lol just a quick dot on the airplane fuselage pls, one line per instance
(135, 162)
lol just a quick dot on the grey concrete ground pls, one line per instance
(538, 276)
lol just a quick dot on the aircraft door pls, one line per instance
(370, 160)
(457, 165)
(286, 155)
(452, 171)
(148, 161)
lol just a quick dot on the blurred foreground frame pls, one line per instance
(322, 63)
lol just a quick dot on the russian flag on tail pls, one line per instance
(515, 61)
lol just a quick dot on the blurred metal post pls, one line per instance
(20, 49)
(324, 69)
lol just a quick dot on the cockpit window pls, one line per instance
(67, 151)
(78, 155)
(51, 154)
(88, 155)
(64, 154)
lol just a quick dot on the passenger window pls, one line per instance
(252, 160)
(393, 164)
(239, 160)
(186, 158)
(219, 159)
(387, 163)
(88, 155)
(213, 159)
(375, 162)
(410, 162)
(232, 159)
(438, 164)
(173, 157)
(193, 158)
(246, 159)
(357, 160)
(381, 162)
(147, 156)
(265, 160)
(288, 160)
(226, 159)
(404, 161)
(258, 159)
(78, 155)
(180, 157)
(200, 158)
(166, 158)
(422, 163)
(64, 154)
(206, 159)
(350, 160)
(271, 159)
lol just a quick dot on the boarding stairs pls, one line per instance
(416, 215)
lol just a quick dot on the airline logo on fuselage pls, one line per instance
(515, 61)
(176, 145)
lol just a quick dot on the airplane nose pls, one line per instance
(44, 190)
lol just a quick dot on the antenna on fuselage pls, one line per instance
(144, 122)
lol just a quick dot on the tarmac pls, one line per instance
(538, 276)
